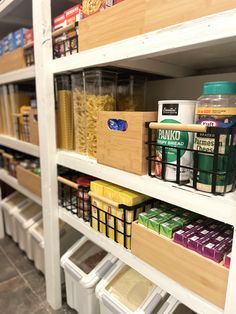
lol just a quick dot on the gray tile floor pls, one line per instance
(22, 287)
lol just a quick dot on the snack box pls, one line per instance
(90, 7)
(73, 14)
(216, 248)
(59, 22)
(155, 222)
(29, 36)
(19, 37)
(143, 218)
(168, 228)
(227, 260)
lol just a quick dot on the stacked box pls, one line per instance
(1, 48)
(143, 218)
(227, 260)
(29, 36)
(19, 38)
(155, 222)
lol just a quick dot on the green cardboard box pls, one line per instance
(144, 217)
(168, 228)
(154, 223)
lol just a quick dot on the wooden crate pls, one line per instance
(135, 17)
(12, 61)
(29, 180)
(33, 127)
(124, 150)
(193, 271)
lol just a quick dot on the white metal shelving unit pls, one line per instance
(21, 146)
(208, 39)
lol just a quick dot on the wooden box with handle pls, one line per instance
(125, 150)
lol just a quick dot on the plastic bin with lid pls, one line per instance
(68, 236)
(84, 265)
(10, 206)
(173, 306)
(124, 291)
(25, 218)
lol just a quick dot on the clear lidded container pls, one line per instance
(64, 113)
(215, 108)
(80, 114)
(131, 92)
(100, 95)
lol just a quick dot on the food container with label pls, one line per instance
(68, 236)
(24, 219)
(178, 112)
(100, 95)
(131, 92)
(10, 206)
(216, 108)
(173, 306)
(64, 113)
(124, 291)
(85, 264)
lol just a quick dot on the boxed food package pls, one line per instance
(144, 217)
(29, 36)
(94, 6)
(73, 14)
(5, 45)
(19, 37)
(59, 22)
(1, 48)
(227, 260)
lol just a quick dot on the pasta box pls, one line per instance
(121, 138)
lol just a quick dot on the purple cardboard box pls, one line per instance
(217, 247)
(193, 241)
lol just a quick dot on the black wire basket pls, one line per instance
(114, 220)
(74, 197)
(210, 170)
(66, 41)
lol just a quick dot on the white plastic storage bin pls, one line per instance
(68, 236)
(25, 218)
(10, 205)
(173, 306)
(125, 291)
(84, 265)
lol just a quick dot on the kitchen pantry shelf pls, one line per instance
(146, 52)
(18, 75)
(189, 298)
(5, 177)
(217, 207)
(21, 146)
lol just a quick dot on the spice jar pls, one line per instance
(83, 197)
(64, 113)
(131, 92)
(100, 95)
(215, 108)
(80, 114)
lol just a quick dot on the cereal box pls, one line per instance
(73, 14)
(91, 7)
(59, 22)
(29, 36)
(19, 37)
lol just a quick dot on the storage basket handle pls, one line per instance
(178, 127)
(104, 199)
(68, 182)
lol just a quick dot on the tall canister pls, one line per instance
(216, 108)
(174, 111)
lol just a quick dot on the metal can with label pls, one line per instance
(174, 111)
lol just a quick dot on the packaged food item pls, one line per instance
(59, 22)
(215, 108)
(19, 37)
(174, 111)
(131, 92)
(227, 260)
(144, 217)
(168, 228)
(59, 41)
(215, 249)
(100, 95)
(73, 14)
(155, 222)
(5, 43)
(29, 36)
(93, 6)
(64, 113)
(83, 198)
(1, 48)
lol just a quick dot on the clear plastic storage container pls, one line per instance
(100, 95)
(131, 92)
(80, 114)
(68, 236)
(24, 219)
(125, 291)
(85, 264)
(64, 113)
(173, 306)
(11, 205)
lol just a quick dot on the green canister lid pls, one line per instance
(219, 88)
